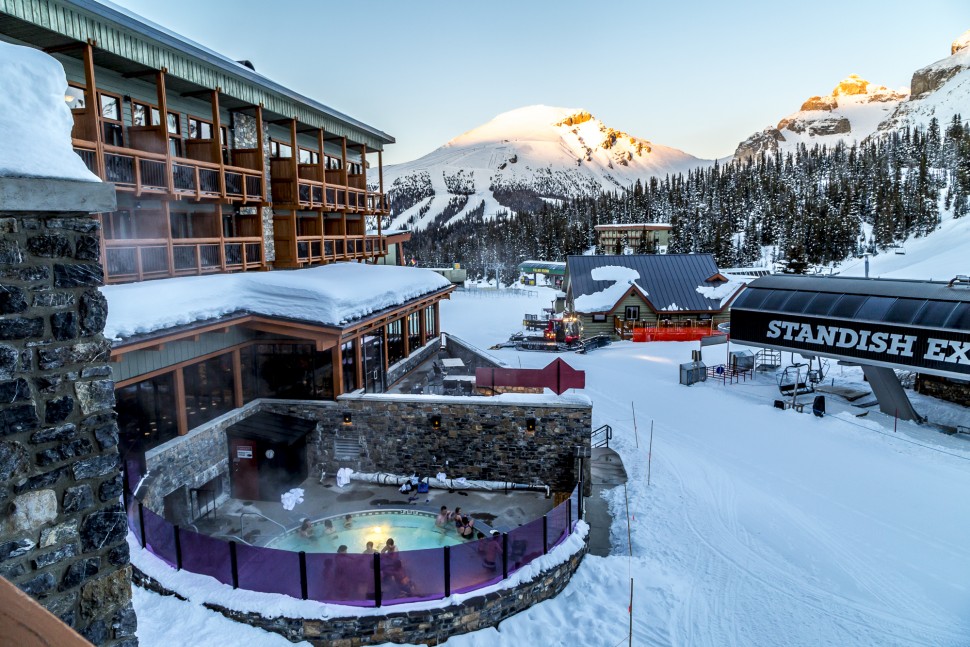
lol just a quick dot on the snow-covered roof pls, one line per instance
(35, 121)
(331, 294)
(670, 282)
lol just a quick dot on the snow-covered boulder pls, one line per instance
(35, 121)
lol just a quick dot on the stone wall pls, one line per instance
(62, 531)
(478, 437)
(423, 627)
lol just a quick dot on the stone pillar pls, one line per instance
(62, 523)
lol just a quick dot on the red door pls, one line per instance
(245, 472)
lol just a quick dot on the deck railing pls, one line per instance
(147, 258)
(360, 580)
(314, 249)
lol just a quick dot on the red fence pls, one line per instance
(672, 334)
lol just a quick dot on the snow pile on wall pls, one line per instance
(331, 294)
(35, 122)
(605, 299)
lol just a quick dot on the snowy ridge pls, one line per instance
(939, 90)
(852, 112)
(538, 151)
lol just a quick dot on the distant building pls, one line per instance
(663, 296)
(633, 238)
(555, 272)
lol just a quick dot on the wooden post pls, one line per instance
(237, 381)
(423, 321)
(359, 362)
(363, 175)
(217, 149)
(406, 334)
(163, 109)
(93, 107)
(337, 360)
(437, 319)
(181, 417)
(295, 163)
(261, 157)
(380, 177)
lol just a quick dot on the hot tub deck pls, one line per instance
(258, 522)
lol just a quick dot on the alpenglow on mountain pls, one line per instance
(520, 158)
(857, 109)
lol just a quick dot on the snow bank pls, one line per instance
(623, 278)
(721, 292)
(331, 294)
(35, 122)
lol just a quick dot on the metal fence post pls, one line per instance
(178, 548)
(303, 580)
(569, 516)
(377, 579)
(141, 523)
(447, 571)
(505, 555)
(545, 535)
(234, 564)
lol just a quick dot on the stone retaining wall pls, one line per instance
(62, 531)
(424, 627)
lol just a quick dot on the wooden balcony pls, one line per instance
(154, 258)
(328, 249)
(311, 192)
(146, 172)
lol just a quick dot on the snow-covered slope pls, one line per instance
(852, 112)
(537, 151)
(939, 90)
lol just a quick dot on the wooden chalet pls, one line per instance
(665, 297)
(217, 168)
(633, 237)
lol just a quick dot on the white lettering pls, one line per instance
(774, 329)
(879, 342)
(826, 335)
(934, 351)
(805, 334)
(844, 335)
(864, 339)
(901, 345)
(959, 355)
(788, 326)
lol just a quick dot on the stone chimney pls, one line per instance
(62, 523)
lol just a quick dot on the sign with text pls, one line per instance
(927, 350)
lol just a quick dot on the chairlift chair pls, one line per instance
(791, 382)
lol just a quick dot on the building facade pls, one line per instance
(633, 238)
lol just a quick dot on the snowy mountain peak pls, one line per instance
(519, 159)
(962, 42)
(851, 112)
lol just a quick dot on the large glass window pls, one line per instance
(414, 331)
(208, 389)
(291, 371)
(114, 134)
(199, 129)
(395, 342)
(348, 360)
(146, 413)
(429, 328)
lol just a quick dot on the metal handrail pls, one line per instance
(242, 515)
(606, 432)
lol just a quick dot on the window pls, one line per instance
(114, 134)
(199, 129)
(142, 112)
(74, 97)
(279, 149)
(309, 157)
(146, 413)
(429, 330)
(354, 168)
(348, 359)
(599, 318)
(333, 163)
(174, 126)
(631, 313)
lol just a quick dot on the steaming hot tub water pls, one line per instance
(410, 529)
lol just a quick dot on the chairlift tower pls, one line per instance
(498, 267)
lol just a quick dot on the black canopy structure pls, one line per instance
(267, 452)
(880, 324)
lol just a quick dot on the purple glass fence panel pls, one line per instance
(556, 524)
(470, 564)
(269, 570)
(160, 537)
(133, 523)
(413, 576)
(206, 556)
(341, 579)
(525, 544)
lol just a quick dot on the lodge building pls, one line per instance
(221, 171)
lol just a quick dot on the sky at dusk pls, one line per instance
(698, 76)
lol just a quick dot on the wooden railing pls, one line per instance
(150, 258)
(143, 172)
(317, 249)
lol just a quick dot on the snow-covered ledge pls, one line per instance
(44, 195)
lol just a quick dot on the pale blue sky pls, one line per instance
(698, 76)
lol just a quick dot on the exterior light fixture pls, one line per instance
(530, 424)
(347, 419)
(436, 422)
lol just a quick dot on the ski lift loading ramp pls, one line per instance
(878, 324)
